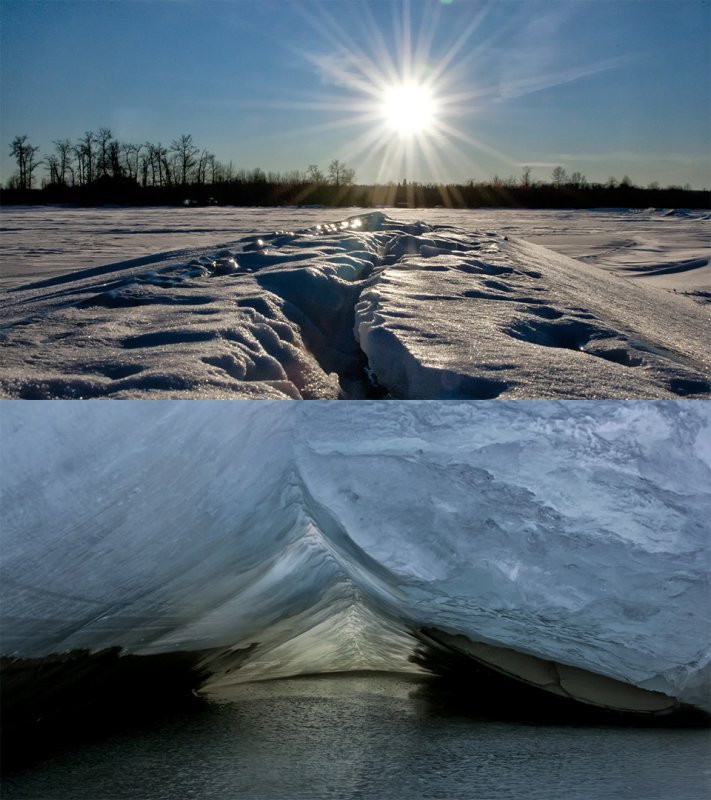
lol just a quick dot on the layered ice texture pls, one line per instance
(367, 307)
(281, 539)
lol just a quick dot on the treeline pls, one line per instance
(98, 169)
(99, 157)
(259, 190)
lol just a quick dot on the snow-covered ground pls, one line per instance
(314, 539)
(427, 303)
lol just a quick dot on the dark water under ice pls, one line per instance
(357, 736)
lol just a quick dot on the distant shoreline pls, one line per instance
(404, 195)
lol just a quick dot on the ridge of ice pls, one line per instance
(428, 311)
(576, 532)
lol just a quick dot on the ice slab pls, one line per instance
(492, 317)
(313, 537)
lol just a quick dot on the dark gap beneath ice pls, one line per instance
(464, 685)
(75, 698)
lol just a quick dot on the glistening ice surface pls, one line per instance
(371, 306)
(322, 535)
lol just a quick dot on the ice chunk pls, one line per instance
(309, 537)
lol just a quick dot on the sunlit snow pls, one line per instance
(366, 305)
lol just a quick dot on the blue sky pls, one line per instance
(604, 87)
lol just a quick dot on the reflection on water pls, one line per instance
(367, 736)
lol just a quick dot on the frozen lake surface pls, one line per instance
(643, 245)
(344, 303)
(373, 737)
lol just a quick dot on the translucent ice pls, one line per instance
(570, 532)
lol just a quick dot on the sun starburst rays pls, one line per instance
(403, 104)
(409, 108)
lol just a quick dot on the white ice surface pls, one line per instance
(665, 247)
(442, 309)
(577, 532)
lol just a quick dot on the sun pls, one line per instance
(409, 109)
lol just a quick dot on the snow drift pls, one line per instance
(366, 307)
(564, 539)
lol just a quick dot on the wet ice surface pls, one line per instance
(372, 738)
(367, 306)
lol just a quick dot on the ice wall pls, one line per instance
(327, 533)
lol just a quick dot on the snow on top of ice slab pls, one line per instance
(512, 319)
(366, 306)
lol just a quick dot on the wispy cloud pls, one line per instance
(530, 83)
(339, 70)
(635, 156)
(540, 164)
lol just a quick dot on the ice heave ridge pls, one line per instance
(367, 307)
(313, 538)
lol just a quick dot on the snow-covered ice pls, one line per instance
(367, 306)
(572, 532)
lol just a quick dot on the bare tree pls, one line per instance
(559, 176)
(206, 157)
(171, 168)
(78, 152)
(25, 156)
(335, 171)
(52, 162)
(340, 174)
(85, 154)
(146, 165)
(32, 164)
(149, 164)
(161, 155)
(154, 162)
(64, 160)
(103, 146)
(185, 152)
(526, 177)
(215, 168)
(113, 153)
(578, 180)
(131, 159)
(314, 174)
(294, 177)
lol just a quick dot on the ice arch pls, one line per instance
(561, 545)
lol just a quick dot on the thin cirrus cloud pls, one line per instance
(530, 83)
(680, 158)
(540, 164)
